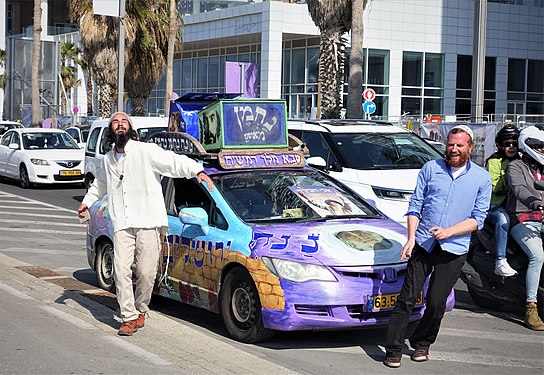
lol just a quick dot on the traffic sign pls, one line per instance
(75, 109)
(369, 107)
(369, 94)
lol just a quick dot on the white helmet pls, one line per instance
(529, 138)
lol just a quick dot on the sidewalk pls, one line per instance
(162, 342)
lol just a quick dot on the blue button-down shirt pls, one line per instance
(440, 200)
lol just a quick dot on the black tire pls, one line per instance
(241, 308)
(104, 266)
(89, 178)
(24, 180)
(483, 301)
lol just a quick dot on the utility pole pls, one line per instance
(478, 60)
(121, 68)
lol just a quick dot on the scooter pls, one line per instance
(489, 290)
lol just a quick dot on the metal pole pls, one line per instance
(478, 62)
(121, 69)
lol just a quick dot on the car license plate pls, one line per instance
(387, 302)
(75, 172)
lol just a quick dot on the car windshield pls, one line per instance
(384, 150)
(298, 196)
(44, 140)
(145, 133)
(74, 133)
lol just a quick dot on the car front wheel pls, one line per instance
(104, 266)
(23, 177)
(241, 308)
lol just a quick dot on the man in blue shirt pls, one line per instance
(450, 201)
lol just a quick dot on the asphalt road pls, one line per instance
(40, 227)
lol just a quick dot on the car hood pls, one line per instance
(369, 242)
(400, 179)
(57, 154)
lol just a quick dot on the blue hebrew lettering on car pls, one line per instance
(189, 248)
(267, 242)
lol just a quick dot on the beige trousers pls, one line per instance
(142, 247)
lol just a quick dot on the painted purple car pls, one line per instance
(283, 248)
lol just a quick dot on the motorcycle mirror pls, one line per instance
(539, 185)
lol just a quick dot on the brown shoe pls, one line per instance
(532, 320)
(128, 328)
(140, 321)
(392, 360)
(420, 355)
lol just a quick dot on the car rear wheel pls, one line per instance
(23, 177)
(241, 308)
(104, 266)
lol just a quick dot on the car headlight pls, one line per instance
(39, 161)
(393, 194)
(297, 271)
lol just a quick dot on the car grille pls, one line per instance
(312, 310)
(68, 163)
(378, 274)
(57, 177)
(355, 312)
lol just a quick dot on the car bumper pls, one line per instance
(49, 175)
(341, 305)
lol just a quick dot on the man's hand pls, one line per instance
(407, 249)
(81, 209)
(204, 177)
(439, 233)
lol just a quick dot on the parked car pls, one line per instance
(377, 160)
(6, 125)
(40, 156)
(95, 148)
(276, 245)
(77, 134)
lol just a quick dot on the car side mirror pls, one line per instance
(14, 146)
(195, 216)
(317, 162)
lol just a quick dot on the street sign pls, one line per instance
(369, 94)
(369, 107)
(75, 109)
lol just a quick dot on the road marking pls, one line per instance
(136, 350)
(31, 230)
(15, 213)
(493, 335)
(10, 221)
(68, 318)
(34, 208)
(45, 251)
(39, 202)
(14, 292)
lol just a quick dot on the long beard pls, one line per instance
(459, 162)
(121, 140)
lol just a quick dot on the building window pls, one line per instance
(422, 83)
(376, 77)
(299, 79)
(525, 89)
(463, 91)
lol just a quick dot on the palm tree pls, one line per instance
(146, 29)
(36, 44)
(68, 52)
(333, 18)
(99, 36)
(147, 57)
(173, 36)
(88, 84)
(355, 81)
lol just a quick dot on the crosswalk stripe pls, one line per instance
(48, 231)
(39, 203)
(14, 213)
(11, 221)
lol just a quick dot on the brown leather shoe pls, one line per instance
(392, 360)
(128, 328)
(140, 321)
(532, 320)
(420, 355)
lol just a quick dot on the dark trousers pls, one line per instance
(445, 268)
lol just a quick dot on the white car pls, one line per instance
(77, 134)
(6, 125)
(95, 148)
(40, 156)
(377, 160)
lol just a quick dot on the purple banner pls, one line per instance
(241, 77)
(260, 159)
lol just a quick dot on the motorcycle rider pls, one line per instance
(507, 150)
(525, 204)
